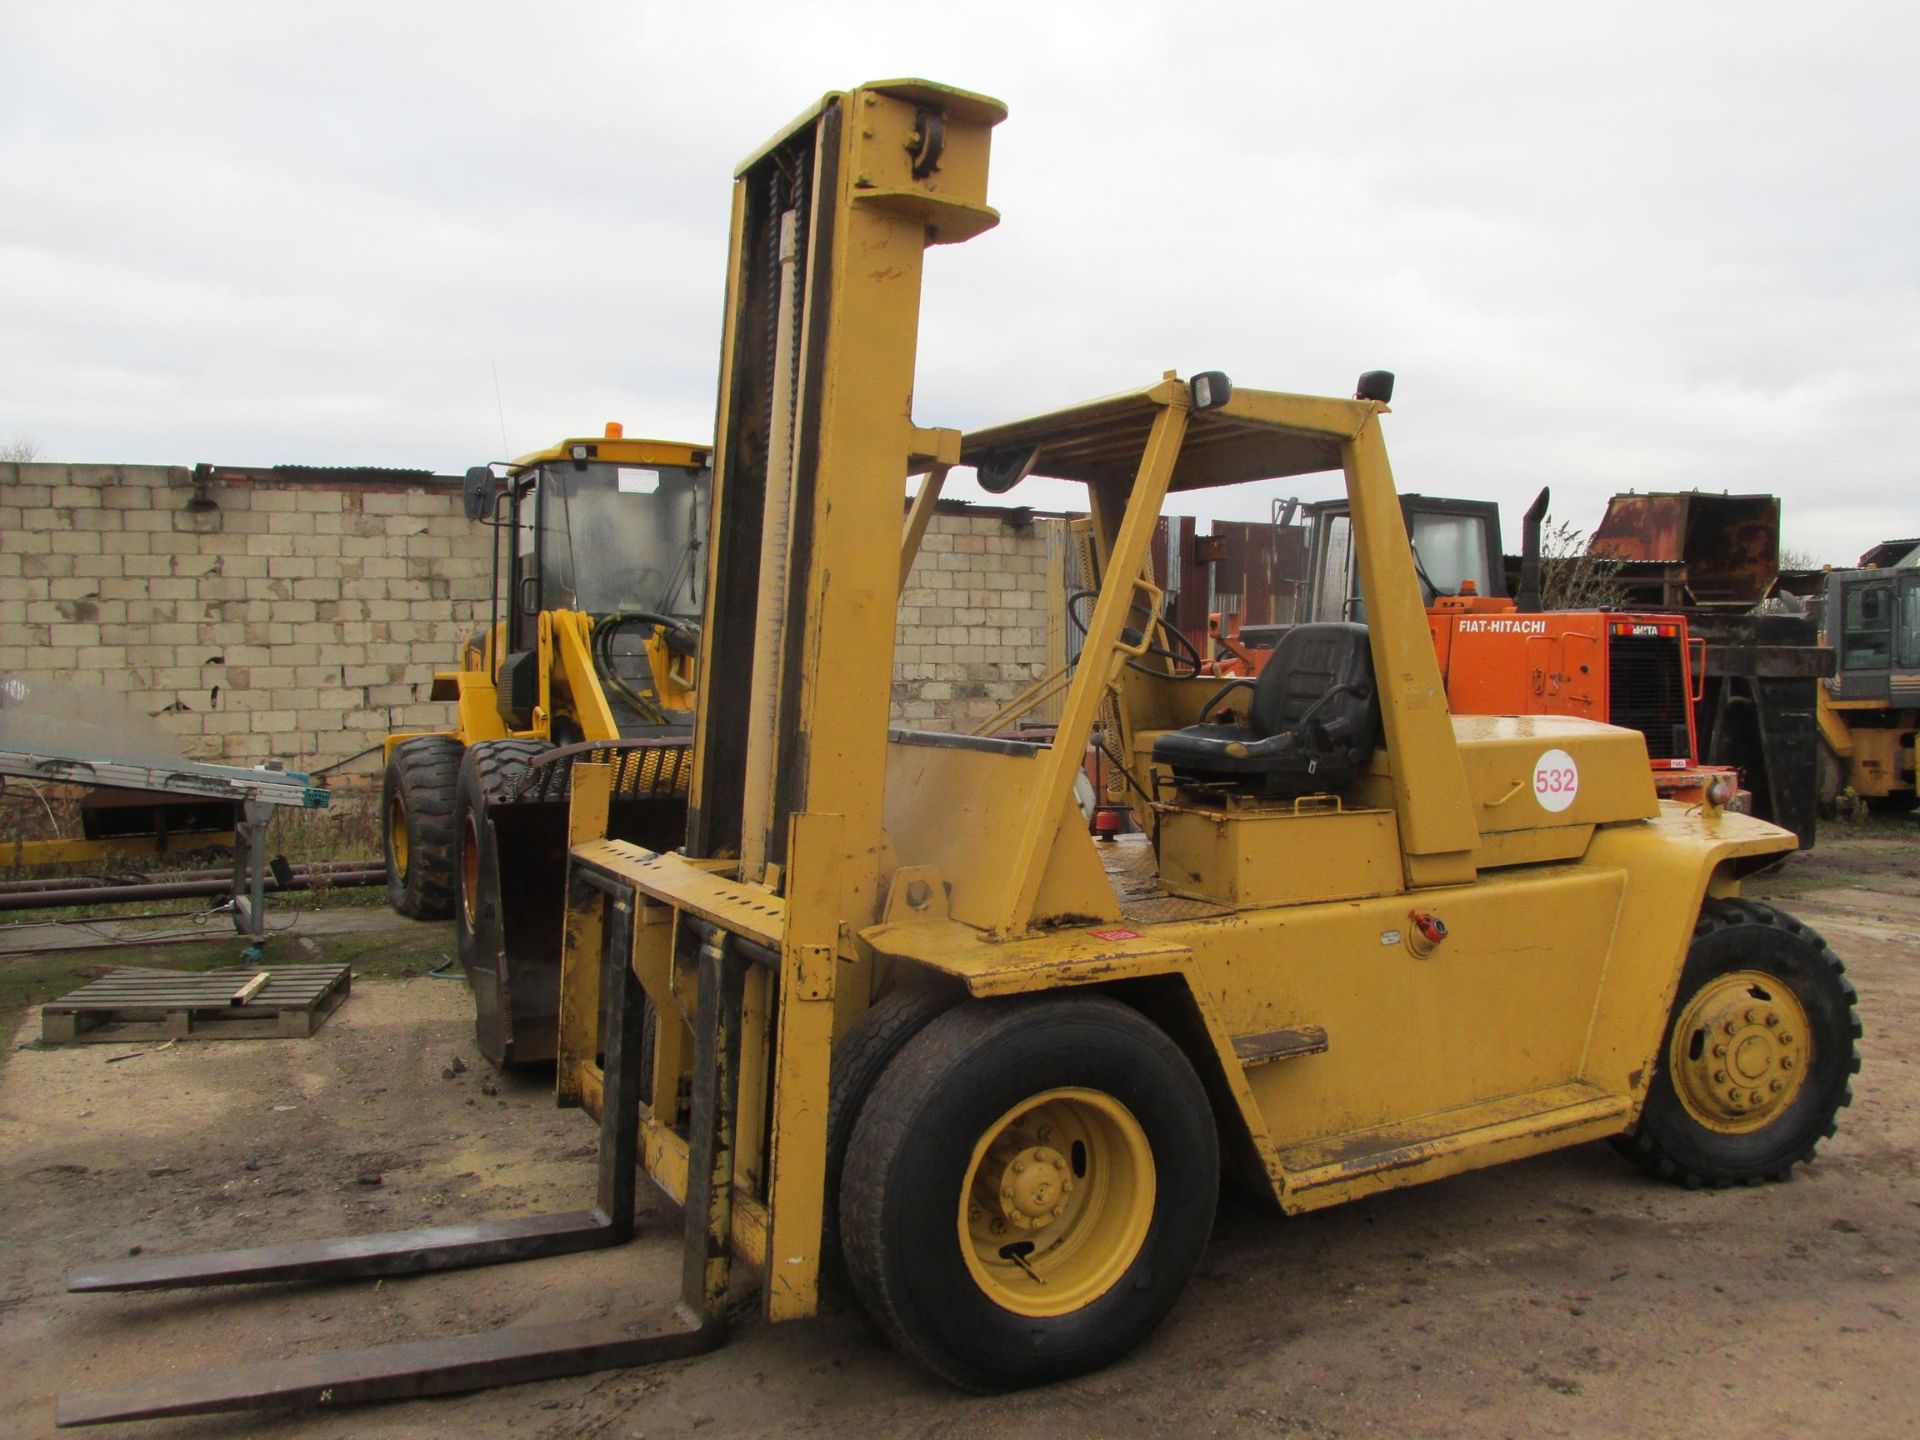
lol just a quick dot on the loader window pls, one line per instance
(1866, 640)
(1910, 624)
(621, 537)
(1452, 550)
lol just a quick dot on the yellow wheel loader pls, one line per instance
(590, 649)
(888, 980)
(1869, 711)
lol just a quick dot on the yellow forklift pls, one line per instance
(589, 649)
(890, 997)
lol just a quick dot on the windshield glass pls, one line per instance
(623, 537)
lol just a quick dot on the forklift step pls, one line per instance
(445, 1366)
(1480, 1134)
(398, 1252)
(1283, 1044)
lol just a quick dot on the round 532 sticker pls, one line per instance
(1556, 780)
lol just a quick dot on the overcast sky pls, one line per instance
(1603, 246)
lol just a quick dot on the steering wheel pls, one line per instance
(1177, 650)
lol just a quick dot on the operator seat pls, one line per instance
(1312, 724)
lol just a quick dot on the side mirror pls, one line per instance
(476, 492)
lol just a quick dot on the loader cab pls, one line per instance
(612, 530)
(1873, 624)
(605, 527)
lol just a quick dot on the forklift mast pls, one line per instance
(830, 222)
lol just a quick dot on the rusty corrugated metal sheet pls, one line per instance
(1264, 565)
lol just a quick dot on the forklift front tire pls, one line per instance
(416, 826)
(1758, 1054)
(1028, 1189)
(858, 1063)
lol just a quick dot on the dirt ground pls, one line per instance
(1563, 1296)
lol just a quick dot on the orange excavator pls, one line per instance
(1502, 655)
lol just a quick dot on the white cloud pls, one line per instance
(1636, 246)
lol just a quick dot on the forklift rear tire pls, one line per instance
(1757, 1057)
(417, 833)
(1028, 1189)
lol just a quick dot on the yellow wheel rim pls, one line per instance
(469, 868)
(1740, 1052)
(397, 835)
(1056, 1202)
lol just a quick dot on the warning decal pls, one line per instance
(1556, 780)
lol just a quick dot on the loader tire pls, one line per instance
(417, 833)
(1078, 1129)
(508, 934)
(1757, 1057)
(858, 1062)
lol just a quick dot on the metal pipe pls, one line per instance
(173, 877)
(1527, 602)
(181, 889)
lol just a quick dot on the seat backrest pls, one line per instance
(1309, 661)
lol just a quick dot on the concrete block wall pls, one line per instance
(974, 616)
(289, 619)
(302, 619)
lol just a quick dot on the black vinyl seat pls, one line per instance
(1313, 723)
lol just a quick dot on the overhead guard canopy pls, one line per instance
(1256, 435)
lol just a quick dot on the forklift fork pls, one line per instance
(455, 1363)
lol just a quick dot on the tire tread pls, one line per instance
(424, 771)
(1641, 1146)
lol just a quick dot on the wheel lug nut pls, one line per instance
(1777, 1086)
(1785, 1039)
(1753, 1016)
(1754, 1097)
(1719, 1077)
(1019, 1167)
(1730, 1027)
(1772, 1019)
(1718, 1051)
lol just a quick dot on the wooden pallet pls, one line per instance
(178, 1005)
